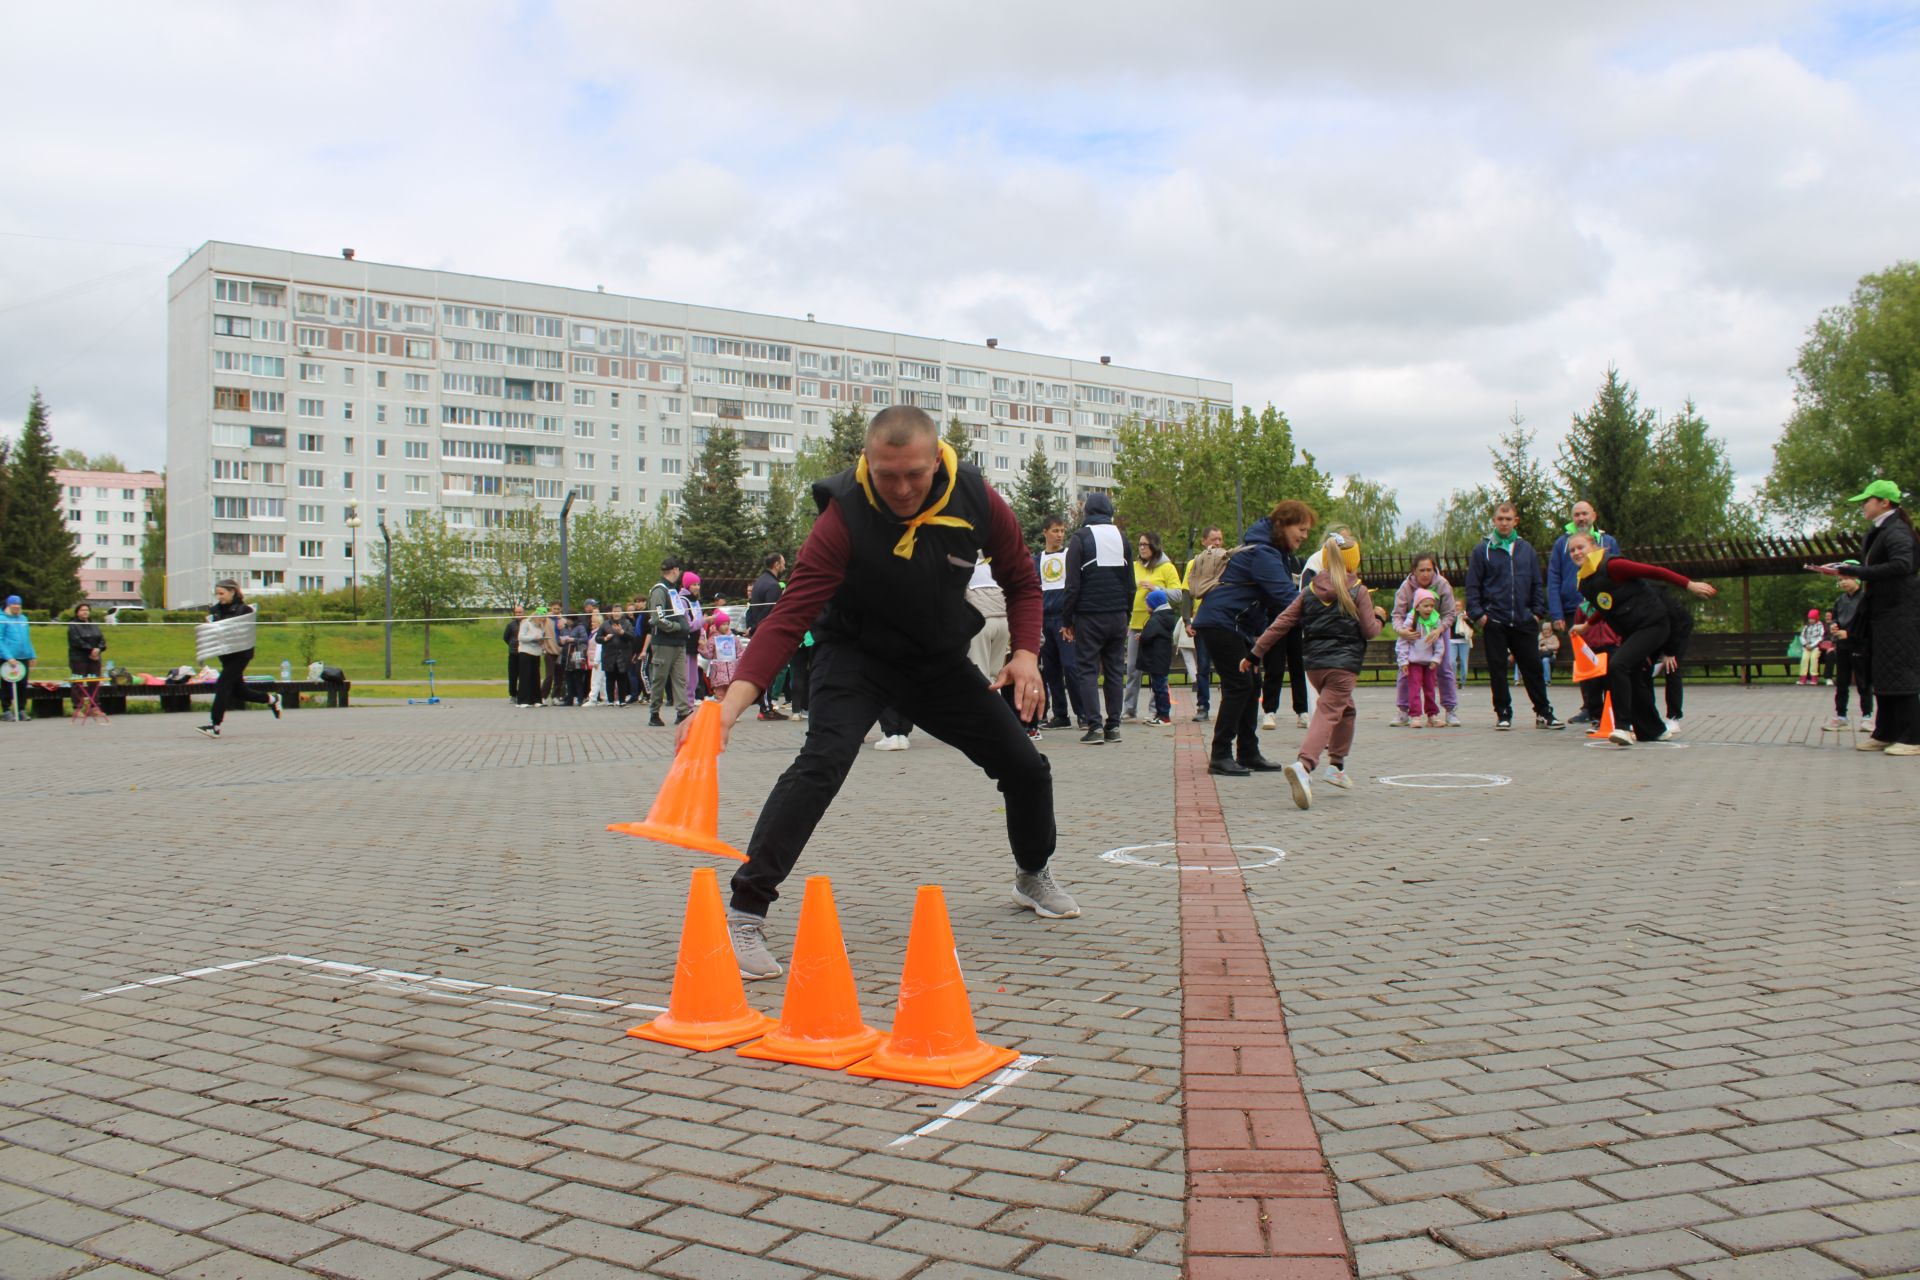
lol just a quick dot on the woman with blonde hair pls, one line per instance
(1336, 618)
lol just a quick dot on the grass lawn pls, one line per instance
(464, 650)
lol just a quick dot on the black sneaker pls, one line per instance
(1549, 721)
(1093, 737)
(772, 715)
(1260, 764)
(208, 730)
(1113, 735)
(655, 722)
(1201, 716)
(1058, 722)
(273, 704)
(1578, 718)
(1505, 722)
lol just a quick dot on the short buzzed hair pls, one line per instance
(901, 424)
(1507, 506)
(1054, 518)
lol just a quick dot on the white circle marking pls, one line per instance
(1130, 856)
(1455, 781)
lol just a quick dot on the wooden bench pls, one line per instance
(42, 701)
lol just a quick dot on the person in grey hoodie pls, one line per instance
(1093, 617)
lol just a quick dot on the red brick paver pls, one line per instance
(1260, 1201)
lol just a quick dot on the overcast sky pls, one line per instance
(1395, 222)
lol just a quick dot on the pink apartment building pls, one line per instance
(107, 514)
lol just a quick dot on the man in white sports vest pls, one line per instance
(1056, 651)
(1093, 617)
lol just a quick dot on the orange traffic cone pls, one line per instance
(1587, 665)
(933, 1040)
(687, 810)
(708, 1008)
(820, 1022)
(1605, 727)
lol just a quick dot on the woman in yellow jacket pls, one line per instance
(1152, 569)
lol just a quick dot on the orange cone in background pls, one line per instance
(1605, 727)
(933, 1040)
(687, 810)
(708, 1008)
(820, 1022)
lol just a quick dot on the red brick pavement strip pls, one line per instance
(1260, 1200)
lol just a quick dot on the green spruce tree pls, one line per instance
(1607, 458)
(42, 562)
(1519, 478)
(718, 524)
(780, 523)
(153, 549)
(1038, 493)
(960, 437)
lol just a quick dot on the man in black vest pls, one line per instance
(889, 560)
(1094, 613)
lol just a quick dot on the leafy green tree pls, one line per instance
(1371, 510)
(153, 549)
(603, 557)
(75, 460)
(1038, 493)
(1693, 483)
(518, 561)
(718, 524)
(1856, 391)
(1607, 458)
(781, 528)
(433, 571)
(960, 436)
(1178, 480)
(39, 560)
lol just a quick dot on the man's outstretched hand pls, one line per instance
(1022, 672)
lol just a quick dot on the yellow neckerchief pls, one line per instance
(1591, 563)
(904, 548)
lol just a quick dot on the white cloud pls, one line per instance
(1394, 223)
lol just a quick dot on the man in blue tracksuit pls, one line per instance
(1056, 651)
(1093, 615)
(1563, 590)
(1505, 600)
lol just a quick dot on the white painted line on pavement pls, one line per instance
(464, 991)
(1459, 781)
(1130, 855)
(1008, 1075)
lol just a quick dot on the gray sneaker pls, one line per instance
(750, 945)
(1037, 891)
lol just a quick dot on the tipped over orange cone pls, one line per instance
(708, 1008)
(933, 1040)
(1587, 665)
(1605, 727)
(820, 1022)
(687, 810)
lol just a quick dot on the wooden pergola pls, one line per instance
(1742, 558)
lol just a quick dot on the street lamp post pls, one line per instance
(353, 552)
(566, 509)
(386, 536)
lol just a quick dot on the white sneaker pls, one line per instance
(1673, 727)
(1336, 778)
(1301, 719)
(1266, 721)
(1836, 724)
(1400, 720)
(897, 742)
(1298, 783)
(1620, 738)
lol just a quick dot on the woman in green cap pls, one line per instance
(1889, 617)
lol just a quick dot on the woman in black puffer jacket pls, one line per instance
(85, 644)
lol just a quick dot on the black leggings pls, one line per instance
(232, 690)
(1630, 681)
(1898, 719)
(1850, 672)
